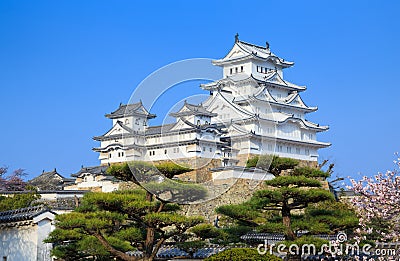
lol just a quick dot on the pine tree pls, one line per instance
(293, 201)
(110, 224)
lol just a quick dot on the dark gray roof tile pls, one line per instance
(130, 110)
(22, 214)
(50, 180)
(96, 170)
(192, 109)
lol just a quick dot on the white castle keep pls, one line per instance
(252, 110)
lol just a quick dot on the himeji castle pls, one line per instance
(251, 110)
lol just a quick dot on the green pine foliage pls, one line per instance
(110, 224)
(293, 201)
(271, 163)
(20, 200)
(205, 231)
(157, 180)
(171, 169)
(107, 225)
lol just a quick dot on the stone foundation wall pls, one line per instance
(201, 166)
(239, 192)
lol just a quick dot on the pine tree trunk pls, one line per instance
(290, 235)
(287, 222)
(149, 243)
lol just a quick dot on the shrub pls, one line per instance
(271, 163)
(239, 254)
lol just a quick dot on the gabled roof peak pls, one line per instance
(192, 109)
(266, 47)
(243, 42)
(129, 110)
(95, 170)
(242, 51)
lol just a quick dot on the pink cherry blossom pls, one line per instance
(378, 198)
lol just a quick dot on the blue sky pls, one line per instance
(64, 64)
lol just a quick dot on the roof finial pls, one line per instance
(236, 37)
(267, 45)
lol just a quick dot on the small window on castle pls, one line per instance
(109, 155)
(165, 151)
(231, 70)
(307, 152)
(119, 154)
(198, 122)
(144, 123)
(206, 122)
(210, 149)
(137, 121)
(289, 149)
(122, 154)
(258, 68)
(204, 149)
(126, 122)
(4, 258)
(241, 68)
(236, 69)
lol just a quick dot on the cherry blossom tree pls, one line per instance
(377, 201)
(13, 181)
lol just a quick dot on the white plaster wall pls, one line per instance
(240, 174)
(19, 243)
(43, 231)
(289, 130)
(25, 242)
(178, 152)
(106, 185)
(279, 94)
(202, 120)
(247, 68)
(134, 122)
(268, 64)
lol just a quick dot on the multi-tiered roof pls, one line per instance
(252, 51)
(251, 102)
(135, 109)
(251, 74)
